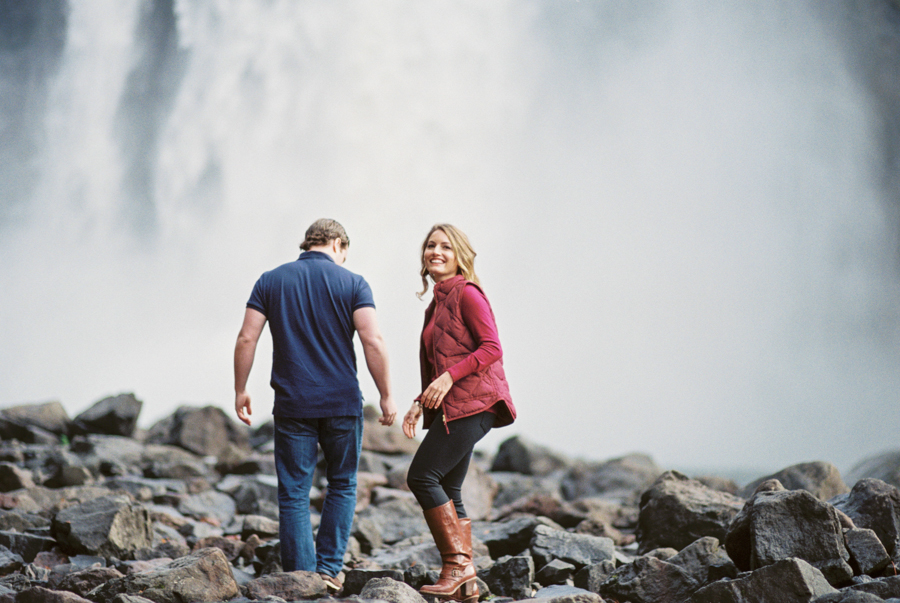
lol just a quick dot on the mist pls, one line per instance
(685, 215)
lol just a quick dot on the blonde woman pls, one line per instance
(464, 396)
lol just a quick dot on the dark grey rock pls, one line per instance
(356, 579)
(590, 577)
(9, 562)
(261, 526)
(822, 480)
(883, 587)
(875, 505)
(84, 581)
(510, 537)
(20, 521)
(13, 477)
(867, 554)
(26, 545)
(39, 594)
(513, 486)
(205, 575)
(387, 589)
(776, 525)
(676, 510)
(396, 520)
(407, 553)
(511, 577)
(519, 455)
(884, 467)
(110, 526)
(555, 572)
(115, 415)
(163, 461)
(209, 505)
(648, 580)
(206, 431)
(566, 594)
(849, 596)
(290, 586)
(785, 581)
(705, 560)
(577, 549)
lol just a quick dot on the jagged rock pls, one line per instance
(289, 586)
(648, 580)
(357, 579)
(785, 581)
(875, 505)
(9, 562)
(14, 478)
(566, 594)
(209, 505)
(867, 554)
(546, 505)
(115, 415)
(26, 545)
(519, 455)
(84, 581)
(254, 495)
(513, 486)
(396, 519)
(590, 577)
(555, 572)
(201, 576)
(822, 480)
(884, 467)
(850, 596)
(206, 431)
(390, 590)
(108, 526)
(618, 479)
(510, 537)
(511, 577)
(39, 594)
(886, 588)
(722, 484)
(577, 549)
(782, 524)
(109, 455)
(705, 560)
(20, 521)
(261, 526)
(49, 417)
(163, 461)
(676, 510)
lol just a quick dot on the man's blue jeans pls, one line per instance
(296, 453)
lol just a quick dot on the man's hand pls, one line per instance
(388, 411)
(242, 406)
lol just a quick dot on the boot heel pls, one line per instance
(467, 592)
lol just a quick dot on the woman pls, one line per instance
(465, 395)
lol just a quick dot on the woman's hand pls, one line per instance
(434, 393)
(411, 419)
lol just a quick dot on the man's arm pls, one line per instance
(244, 351)
(376, 359)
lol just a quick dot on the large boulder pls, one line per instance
(511, 537)
(48, 416)
(786, 581)
(619, 478)
(115, 415)
(867, 554)
(782, 524)
(822, 480)
(519, 455)
(511, 577)
(206, 431)
(548, 544)
(705, 560)
(202, 576)
(676, 510)
(875, 505)
(110, 526)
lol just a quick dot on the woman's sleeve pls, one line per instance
(476, 313)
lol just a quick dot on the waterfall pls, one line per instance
(686, 215)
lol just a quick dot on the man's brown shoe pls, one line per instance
(331, 583)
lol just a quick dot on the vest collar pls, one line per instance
(443, 288)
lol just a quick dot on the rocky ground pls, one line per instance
(92, 509)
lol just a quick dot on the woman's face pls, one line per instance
(440, 260)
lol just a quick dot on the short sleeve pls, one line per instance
(257, 299)
(362, 297)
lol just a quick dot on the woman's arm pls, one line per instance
(476, 313)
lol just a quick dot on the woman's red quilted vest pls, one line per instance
(453, 342)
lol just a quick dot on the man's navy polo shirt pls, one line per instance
(309, 304)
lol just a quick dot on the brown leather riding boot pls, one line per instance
(465, 524)
(457, 579)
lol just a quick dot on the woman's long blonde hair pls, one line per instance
(465, 255)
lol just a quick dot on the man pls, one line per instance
(313, 306)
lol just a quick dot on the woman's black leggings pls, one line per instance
(442, 460)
